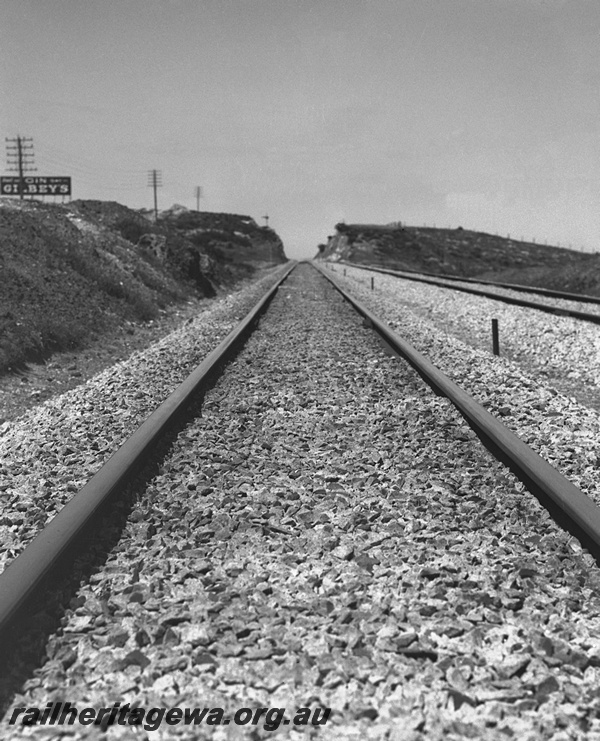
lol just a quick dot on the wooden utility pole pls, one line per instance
(20, 155)
(154, 182)
(266, 218)
(198, 196)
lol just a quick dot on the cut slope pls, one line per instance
(230, 239)
(64, 280)
(72, 272)
(465, 253)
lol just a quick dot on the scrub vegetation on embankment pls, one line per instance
(71, 273)
(460, 252)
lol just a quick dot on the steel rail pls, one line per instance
(578, 508)
(551, 293)
(22, 577)
(574, 313)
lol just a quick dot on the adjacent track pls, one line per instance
(557, 311)
(551, 293)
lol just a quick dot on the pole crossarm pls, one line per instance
(19, 156)
(154, 182)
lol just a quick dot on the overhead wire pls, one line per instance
(86, 171)
(88, 174)
(83, 162)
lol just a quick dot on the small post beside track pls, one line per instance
(495, 340)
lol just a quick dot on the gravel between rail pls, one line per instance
(331, 533)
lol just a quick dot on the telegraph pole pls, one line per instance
(154, 182)
(266, 218)
(20, 155)
(198, 197)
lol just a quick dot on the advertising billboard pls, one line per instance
(36, 186)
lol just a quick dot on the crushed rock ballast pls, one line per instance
(330, 533)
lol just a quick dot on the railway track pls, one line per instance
(550, 293)
(325, 523)
(520, 288)
(460, 284)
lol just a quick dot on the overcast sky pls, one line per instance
(479, 113)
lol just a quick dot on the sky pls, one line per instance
(483, 114)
